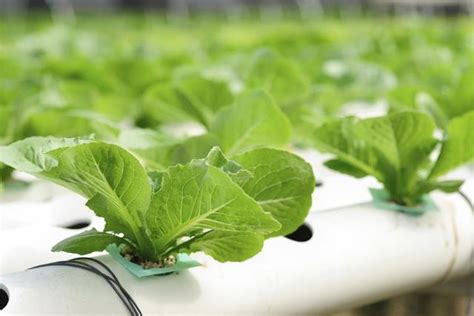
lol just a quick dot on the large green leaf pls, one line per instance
(458, 148)
(344, 167)
(281, 183)
(253, 122)
(31, 154)
(229, 246)
(198, 196)
(448, 186)
(113, 180)
(337, 138)
(87, 242)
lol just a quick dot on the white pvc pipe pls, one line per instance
(358, 255)
(62, 211)
(67, 208)
(34, 190)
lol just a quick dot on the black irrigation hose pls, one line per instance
(127, 295)
(111, 279)
(471, 289)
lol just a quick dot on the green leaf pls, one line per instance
(31, 154)
(229, 246)
(66, 122)
(202, 97)
(151, 146)
(458, 148)
(113, 180)
(426, 103)
(199, 196)
(253, 122)
(159, 151)
(344, 167)
(162, 104)
(190, 97)
(448, 186)
(277, 75)
(281, 183)
(195, 147)
(87, 242)
(337, 138)
(458, 99)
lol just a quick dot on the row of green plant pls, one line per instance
(65, 74)
(251, 92)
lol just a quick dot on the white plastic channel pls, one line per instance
(358, 255)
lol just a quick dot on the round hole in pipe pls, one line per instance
(303, 233)
(4, 298)
(78, 224)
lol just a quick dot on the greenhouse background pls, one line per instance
(450, 7)
(237, 157)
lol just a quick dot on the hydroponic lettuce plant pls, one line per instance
(396, 150)
(225, 208)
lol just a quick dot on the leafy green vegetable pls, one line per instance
(396, 149)
(254, 121)
(204, 205)
(198, 197)
(281, 183)
(217, 244)
(87, 242)
(152, 147)
(30, 155)
(458, 148)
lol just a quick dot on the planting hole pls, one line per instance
(3, 298)
(79, 224)
(303, 233)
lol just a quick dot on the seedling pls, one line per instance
(396, 150)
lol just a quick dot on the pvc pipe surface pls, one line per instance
(358, 255)
(61, 211)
